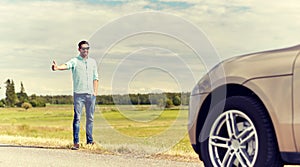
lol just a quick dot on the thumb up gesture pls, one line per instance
(54, 66)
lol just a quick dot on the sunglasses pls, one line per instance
(87, 48)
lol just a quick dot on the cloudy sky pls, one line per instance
(140, 46)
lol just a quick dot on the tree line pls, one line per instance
(18, 99)
(21, 99)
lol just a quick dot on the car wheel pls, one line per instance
(241, 134)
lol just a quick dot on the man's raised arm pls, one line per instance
(60, 67)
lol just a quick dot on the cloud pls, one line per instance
(238, 27)
(34, 33)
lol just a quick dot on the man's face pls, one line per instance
(84, 50)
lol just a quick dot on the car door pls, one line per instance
(296, 101)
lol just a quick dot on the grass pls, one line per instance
(117, 129)
(49, 122)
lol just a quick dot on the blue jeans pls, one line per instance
(88, 101)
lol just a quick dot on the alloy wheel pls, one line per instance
(233, 140)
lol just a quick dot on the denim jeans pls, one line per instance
(88, 101)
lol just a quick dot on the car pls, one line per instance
(246, 111)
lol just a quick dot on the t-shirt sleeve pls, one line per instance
(71, 63)
(95, 72)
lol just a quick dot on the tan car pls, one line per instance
(246, 111)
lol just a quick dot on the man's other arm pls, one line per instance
(95, 84)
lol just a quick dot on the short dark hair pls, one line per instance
(81, 43)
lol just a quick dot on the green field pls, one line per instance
(121, 129)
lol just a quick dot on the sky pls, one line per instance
(141, 46)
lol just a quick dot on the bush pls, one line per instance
(2, 104)
(37, 103)
(33, 103)
(26, 105)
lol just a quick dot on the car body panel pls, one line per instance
(279, 104)
(261, 65)
(296, 102)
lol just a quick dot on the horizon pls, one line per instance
(145, 93)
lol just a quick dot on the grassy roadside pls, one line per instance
(50, 127)
(37, 142)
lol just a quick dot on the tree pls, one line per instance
(169, 103)
(22, 88)
(176, 100)
(134, 99)
(11, 97)
(165, 102)
(38, 101)
(2, 103)
(22, 96)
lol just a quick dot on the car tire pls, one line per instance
(240, 134)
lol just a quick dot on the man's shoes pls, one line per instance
(91, 143)
(75, 147)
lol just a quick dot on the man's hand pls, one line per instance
(54, 66)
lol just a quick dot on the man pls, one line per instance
(85, 87)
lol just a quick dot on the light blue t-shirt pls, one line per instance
(84, 72)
